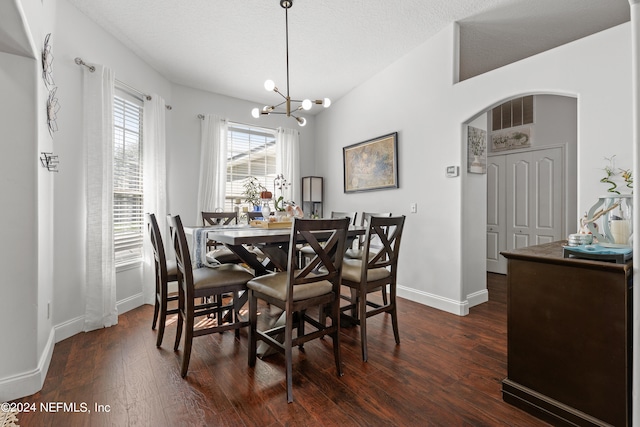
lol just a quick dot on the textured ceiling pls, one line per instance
(232, 47)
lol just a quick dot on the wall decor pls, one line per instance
(52, 110)
(49, 161)
(372, 164)
(476, 150)
(47, 62)
(511, 139)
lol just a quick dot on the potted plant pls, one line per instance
(252, 190)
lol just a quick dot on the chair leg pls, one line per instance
(335, 322)
(253, 320)
(301, 315)
(362, 316)
(163, 321)
(384, 294)
(218, 301)
(354, 301)
(394, 315)
(235, 313)
(178, 330)
(188, 340)
(288, 356)
(156, 309)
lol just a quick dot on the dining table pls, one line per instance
(273, 242)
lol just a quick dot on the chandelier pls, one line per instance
(269, 85)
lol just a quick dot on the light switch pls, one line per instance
(414, 208)
(452, 171)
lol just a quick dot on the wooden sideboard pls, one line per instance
(569, 337)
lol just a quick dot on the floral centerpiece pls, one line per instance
(252, 190)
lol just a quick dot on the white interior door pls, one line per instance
(496, 214)
(534, 192)
(525, 191)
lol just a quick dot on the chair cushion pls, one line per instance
(351, 271)
(222, 255)
(275, 285)
(219, 276)
(172, 267)
(308, 250)
(356, 253)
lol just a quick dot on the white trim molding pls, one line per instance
(30, 382)
(460, 308)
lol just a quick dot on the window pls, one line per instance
(128, 216)
(251, 151)
(517, 112)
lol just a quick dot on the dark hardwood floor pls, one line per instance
(447, 371)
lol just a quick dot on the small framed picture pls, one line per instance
(476, 150)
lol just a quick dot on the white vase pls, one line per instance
(476, 166)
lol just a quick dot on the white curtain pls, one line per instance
(100, 303)
(213, 165)
(288, 162)
(154, 184)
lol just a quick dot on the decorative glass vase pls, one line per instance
(610, 220)
(266, 210)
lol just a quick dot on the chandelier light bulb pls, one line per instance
(255, 113)
(301, 121)
(269, 85)
(307, 104)
(326, 103)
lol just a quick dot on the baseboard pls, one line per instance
(28, 383)
(76, 325)
(69, 328)
(546, 408)
(460, 308)
(478, 298)
(130, 303)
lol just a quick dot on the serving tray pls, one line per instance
(270, 224)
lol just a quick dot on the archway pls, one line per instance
(554, 126)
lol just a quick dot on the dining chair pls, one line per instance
(251, 215)
(351, 215)
(306, 252)
(166, 272)
(355, 252)
(220, 254)
(298, 289)
(367, 275)
(208, 284)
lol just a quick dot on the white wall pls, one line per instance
(27, 230)
(474, 254)
(417, 97)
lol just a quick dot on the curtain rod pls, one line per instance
(120, 83)
(202, 116)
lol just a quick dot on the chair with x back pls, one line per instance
(204, 283)
(217, 253)
(307, 252)
(369, 274)
(298, 289)
(166, 272)
(356, 252)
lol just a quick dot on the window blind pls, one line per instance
(128, 215)
(251, 151)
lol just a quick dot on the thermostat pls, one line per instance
(453, 171)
